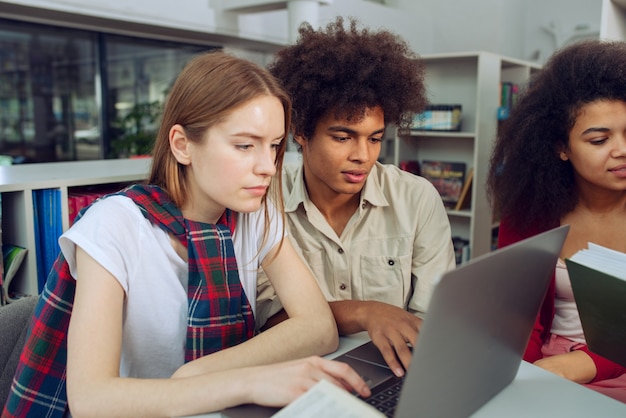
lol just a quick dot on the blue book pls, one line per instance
(48, 229)
(37, 208)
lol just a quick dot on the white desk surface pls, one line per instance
(534, 393)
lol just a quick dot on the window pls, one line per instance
(68, 94)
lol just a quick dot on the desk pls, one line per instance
(534, 393)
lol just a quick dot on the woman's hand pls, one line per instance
(280, 384)
(576, 366)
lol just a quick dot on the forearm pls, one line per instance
(117, 396)
(291, 339)
(575, 365)
(605, 369)
(349, 315)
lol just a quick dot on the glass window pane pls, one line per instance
(139, 75)
(47, 91)
(57, 103)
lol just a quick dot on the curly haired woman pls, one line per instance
(561, 159)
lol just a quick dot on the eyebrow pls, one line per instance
(347, 130)
(592, 130)
(245, 134)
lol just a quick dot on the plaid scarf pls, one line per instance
(219, 314)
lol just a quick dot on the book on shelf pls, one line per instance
(48, 229)
(412, 166)
(447, 177)
(598, 278)
(81, 197)
(508, 98)
(12, 256)
(461, 249)
(438, 117)
(465, 198)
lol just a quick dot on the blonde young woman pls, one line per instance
(154, 293)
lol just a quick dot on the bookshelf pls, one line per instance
(473, 80)
(18, 182)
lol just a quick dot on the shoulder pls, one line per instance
(508, 233)
(111, 211)
(395, 182)
(291, 173)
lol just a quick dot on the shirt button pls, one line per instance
(342, 286)
(364, 205)
(391, 262)
(340, 250)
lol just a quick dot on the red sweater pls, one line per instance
(606, 369)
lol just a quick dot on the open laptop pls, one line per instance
(472, 341)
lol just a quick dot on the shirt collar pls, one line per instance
(372, 191)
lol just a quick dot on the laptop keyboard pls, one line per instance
(385, 396)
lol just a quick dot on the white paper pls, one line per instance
(327, 400)
(602, 259)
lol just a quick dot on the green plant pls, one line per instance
(136, 130)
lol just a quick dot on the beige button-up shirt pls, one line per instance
(393, 249)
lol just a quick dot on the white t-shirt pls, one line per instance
(154, 278)
(566, 322)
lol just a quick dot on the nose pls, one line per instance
(620, 150)
(266, 161)
(360, 150)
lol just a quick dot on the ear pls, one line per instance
(563, 156)
(179, 144)
(300, 140)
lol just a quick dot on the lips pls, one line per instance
(619, 168)
(355, 176)
(257, 190)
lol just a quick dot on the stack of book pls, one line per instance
(451, 181)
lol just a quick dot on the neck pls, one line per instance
(336, 208)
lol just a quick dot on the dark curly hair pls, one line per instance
(346, 71)
(528, 184)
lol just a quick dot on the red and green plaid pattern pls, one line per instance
(219, 314)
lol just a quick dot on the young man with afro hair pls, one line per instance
(376, 237)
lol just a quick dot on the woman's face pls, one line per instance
(233, 165)
(597, 145)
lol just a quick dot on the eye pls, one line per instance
(375, 140)
(341, 138)
(243, 147)
(598, 141)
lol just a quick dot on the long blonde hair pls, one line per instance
(208, 89)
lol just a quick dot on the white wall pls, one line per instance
(551, 24)
(509, 27)
(513, 28)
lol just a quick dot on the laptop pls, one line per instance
(472, 341)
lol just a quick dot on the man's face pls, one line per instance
(341, 153)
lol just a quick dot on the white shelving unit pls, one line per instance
(473, 80)
(613, 20)
(18, 182)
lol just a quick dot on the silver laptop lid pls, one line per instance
(477, 328)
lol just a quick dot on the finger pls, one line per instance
(345, 376)
(389, 354)
(404, 353)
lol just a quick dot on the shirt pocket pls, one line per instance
(386, 278)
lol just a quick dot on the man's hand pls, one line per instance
(575, 365)
(393, 330)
